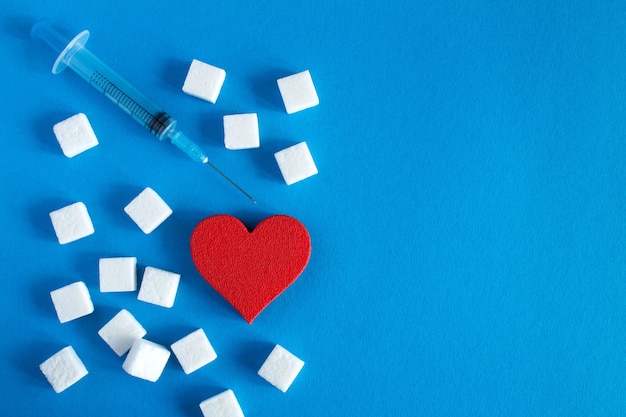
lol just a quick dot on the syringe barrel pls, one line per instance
(121, 92)
(73, 54)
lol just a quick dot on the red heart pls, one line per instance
(250, 269)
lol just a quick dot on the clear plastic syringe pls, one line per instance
(73, 54)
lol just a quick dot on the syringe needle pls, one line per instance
(230, 181)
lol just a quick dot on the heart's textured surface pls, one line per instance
(250, 269)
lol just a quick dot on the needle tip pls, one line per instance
(230, 181)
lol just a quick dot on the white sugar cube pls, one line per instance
(63, 369)
(158, 287)
(148, 210)
(194, 351)
(296, 163)
(224, 404)
(281, 368)
(121, 332)
(118, 274)
(75, 135)
(241, 131)
(204, 81)
(298, 92)
(146, 360)
(72, 301)
(71, 223)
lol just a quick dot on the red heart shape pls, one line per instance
(250, 269)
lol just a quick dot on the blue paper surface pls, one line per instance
(467, 221)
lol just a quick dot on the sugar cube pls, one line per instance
(204, 81)
(146, 360)
(71, 223)
(296, 163)
(298, 92)
(281, 368)
(194, 351)
(121, 332)
(148, 210)
(224, 404)
(118, 274)
(241, 131)
(63, 369)
(72, 301)
(158, 287)
(75, 135)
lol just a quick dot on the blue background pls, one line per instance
(467, 220)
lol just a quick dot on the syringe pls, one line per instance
(73, 54)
